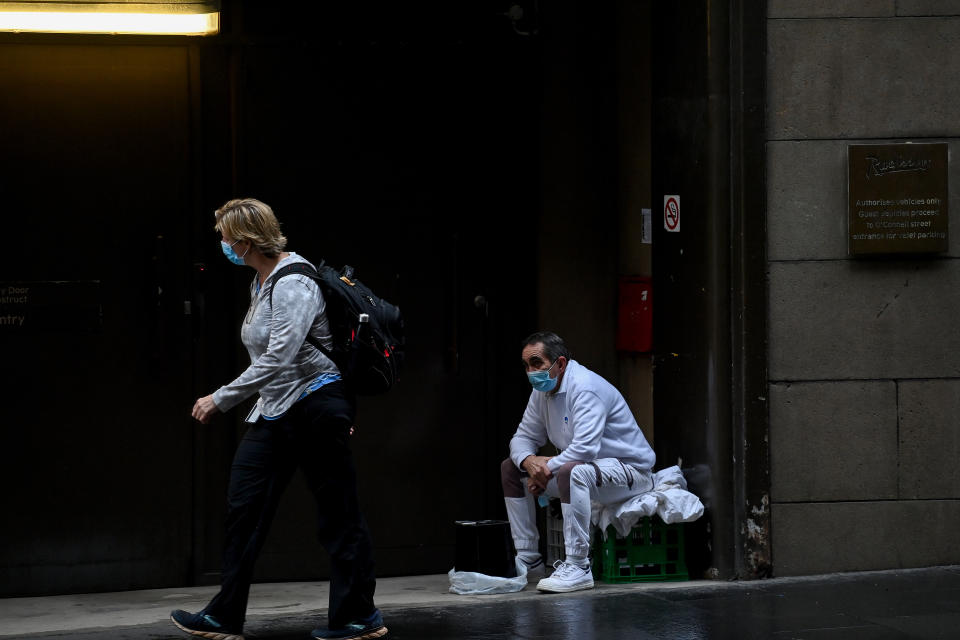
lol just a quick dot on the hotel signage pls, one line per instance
(898, 198)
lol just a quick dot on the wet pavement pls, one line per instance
(915, 603)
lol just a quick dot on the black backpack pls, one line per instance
(367, 331)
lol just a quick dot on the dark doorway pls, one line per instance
(95, 180)
(408, 149)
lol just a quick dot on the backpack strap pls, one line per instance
(303, 269)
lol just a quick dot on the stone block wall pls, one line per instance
(864, 355)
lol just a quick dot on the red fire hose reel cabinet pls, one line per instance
(635, 314)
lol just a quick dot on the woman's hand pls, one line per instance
(204, 409)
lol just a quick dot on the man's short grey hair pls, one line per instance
(553, 345)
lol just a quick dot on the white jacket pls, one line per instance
(586, 418)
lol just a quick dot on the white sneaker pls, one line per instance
(535, 571)
(567, 577)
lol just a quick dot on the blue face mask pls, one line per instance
(231, 254)
(541, 380)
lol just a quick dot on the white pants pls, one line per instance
(606, 481)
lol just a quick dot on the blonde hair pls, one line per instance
(250, 219)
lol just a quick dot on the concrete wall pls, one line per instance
(864, 361)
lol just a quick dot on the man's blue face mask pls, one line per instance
(231, 254)
(541, 380)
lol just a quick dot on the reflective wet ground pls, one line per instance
(918, 604)
(847, 607)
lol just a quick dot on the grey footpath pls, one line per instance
(910, 604)
(49, 614)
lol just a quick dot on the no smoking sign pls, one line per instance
(671, 213)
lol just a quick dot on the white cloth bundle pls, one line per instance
(668, 499)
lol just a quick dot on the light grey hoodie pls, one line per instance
(282, 363)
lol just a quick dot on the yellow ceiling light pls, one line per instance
(174, 17)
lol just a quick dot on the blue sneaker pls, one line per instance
(204, 625)
(364, 629)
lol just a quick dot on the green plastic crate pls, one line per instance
(556, 550)
(652, 552)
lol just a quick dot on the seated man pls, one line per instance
(603, 457)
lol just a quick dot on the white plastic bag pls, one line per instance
(671, 477)
(472, 583)
(679, 505)
(676, 504)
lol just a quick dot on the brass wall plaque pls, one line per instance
(898, 198)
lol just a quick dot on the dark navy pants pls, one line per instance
(314, 437)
